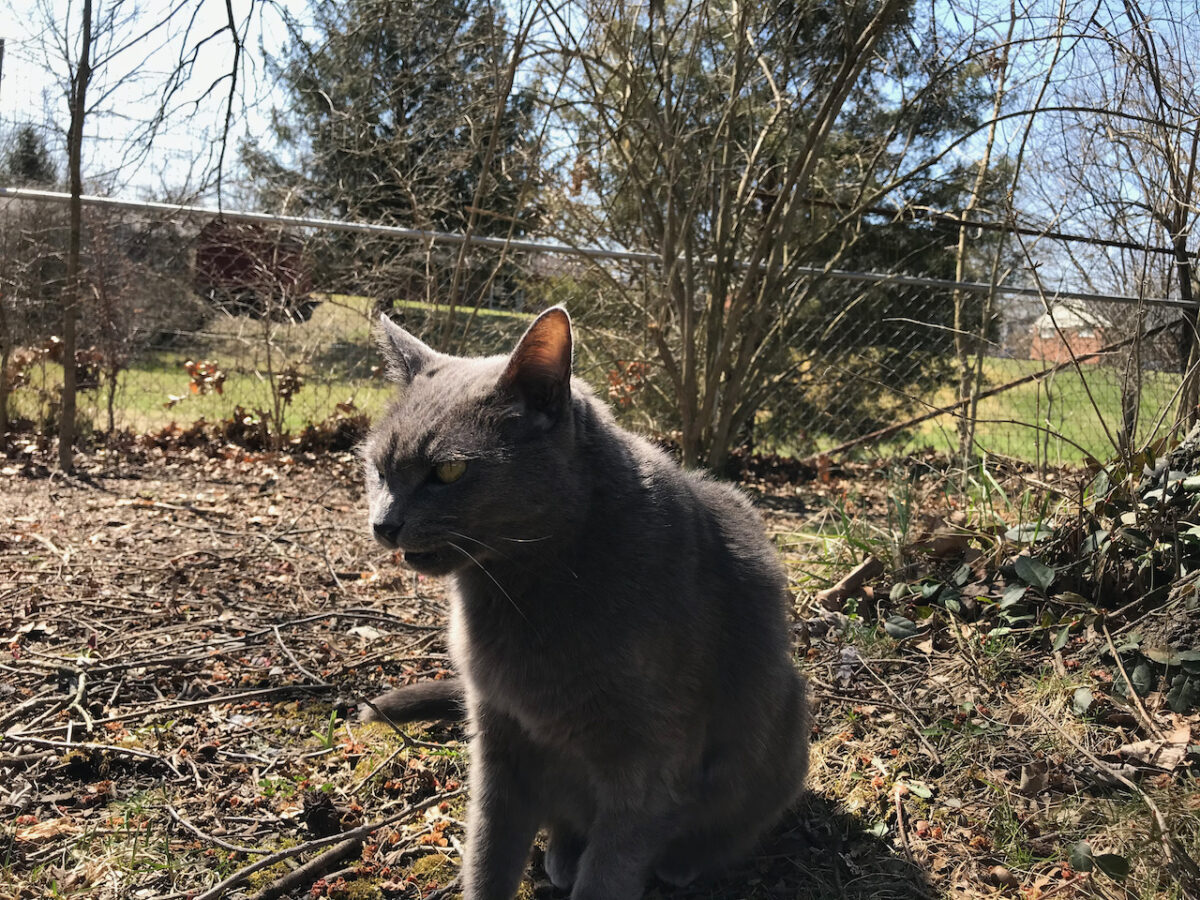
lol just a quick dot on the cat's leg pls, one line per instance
(564, 847)
(622, 845)
(504, 811)
(743, 797)
(694, 856)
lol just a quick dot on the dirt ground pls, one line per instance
(188, 632)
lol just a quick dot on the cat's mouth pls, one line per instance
(437, 561)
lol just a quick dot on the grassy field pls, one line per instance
(1061, 419)
(332, 353)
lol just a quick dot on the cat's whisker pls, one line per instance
(467, 537)
(483, 569)
(527, 540)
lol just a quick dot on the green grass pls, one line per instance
(333, 352)
(1061, 419)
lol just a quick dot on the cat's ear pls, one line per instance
(539, 370)
(405, 354)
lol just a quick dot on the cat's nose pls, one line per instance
(387, 533)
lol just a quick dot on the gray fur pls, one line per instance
(620, 624)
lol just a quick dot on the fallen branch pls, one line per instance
(71, 745)
(239, 877)
(835, 598)
(205, 836)
(306, 874)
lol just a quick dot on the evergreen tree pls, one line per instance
(391, 109)
(28, 162)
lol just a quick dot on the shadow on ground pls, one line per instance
(818, 852)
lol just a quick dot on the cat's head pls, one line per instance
(474, 456)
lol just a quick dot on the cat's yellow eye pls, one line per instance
(448, 472)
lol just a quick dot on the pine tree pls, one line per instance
(28, 162)
(389, 115)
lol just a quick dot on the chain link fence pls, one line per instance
(192, 325)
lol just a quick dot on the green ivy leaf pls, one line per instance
(1094, 542)
(1184, 694)
(1142, 679)
(1164, 656)
(1034, 572)
(920, 788)
(1072, 598)
(1136, 537)
(1012, 595)
(1027, 532)
(900, 628)
(1116, 867)
(1060, 639)
(1080, 857)
(961, 574)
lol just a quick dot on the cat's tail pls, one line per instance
(443, 701)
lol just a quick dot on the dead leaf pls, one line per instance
(1163, 754)
(1035, 777)
(834, 598)
(44, 831)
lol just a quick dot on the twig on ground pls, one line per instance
(329, 565)
(205, 836)
(379, 768)
(20, 760)
(203, 701)
(1147, 722)
(900, 829)
(444, 891)
(320, 682)
(240, 876)
(1182, 866)
(916, 724)
(303, 876)
(14, 714)
(77, 699)
(72, 745)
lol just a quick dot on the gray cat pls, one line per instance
(620, 625)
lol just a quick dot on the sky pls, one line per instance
(128, 89)
(139, 56)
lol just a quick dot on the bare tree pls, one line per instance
(80, 78)
(718, 136)
(113, 39)
(1117, 156)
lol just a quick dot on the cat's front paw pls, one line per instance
(677, 872)
(563, 850)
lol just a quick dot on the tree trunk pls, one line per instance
(70, 294)
(5, 353)
(1189, 395)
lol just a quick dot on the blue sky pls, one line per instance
(128, 89)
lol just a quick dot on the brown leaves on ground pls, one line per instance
(177, 633)
(178, 629)
(1037, 719)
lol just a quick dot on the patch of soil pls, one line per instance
(188, 630)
